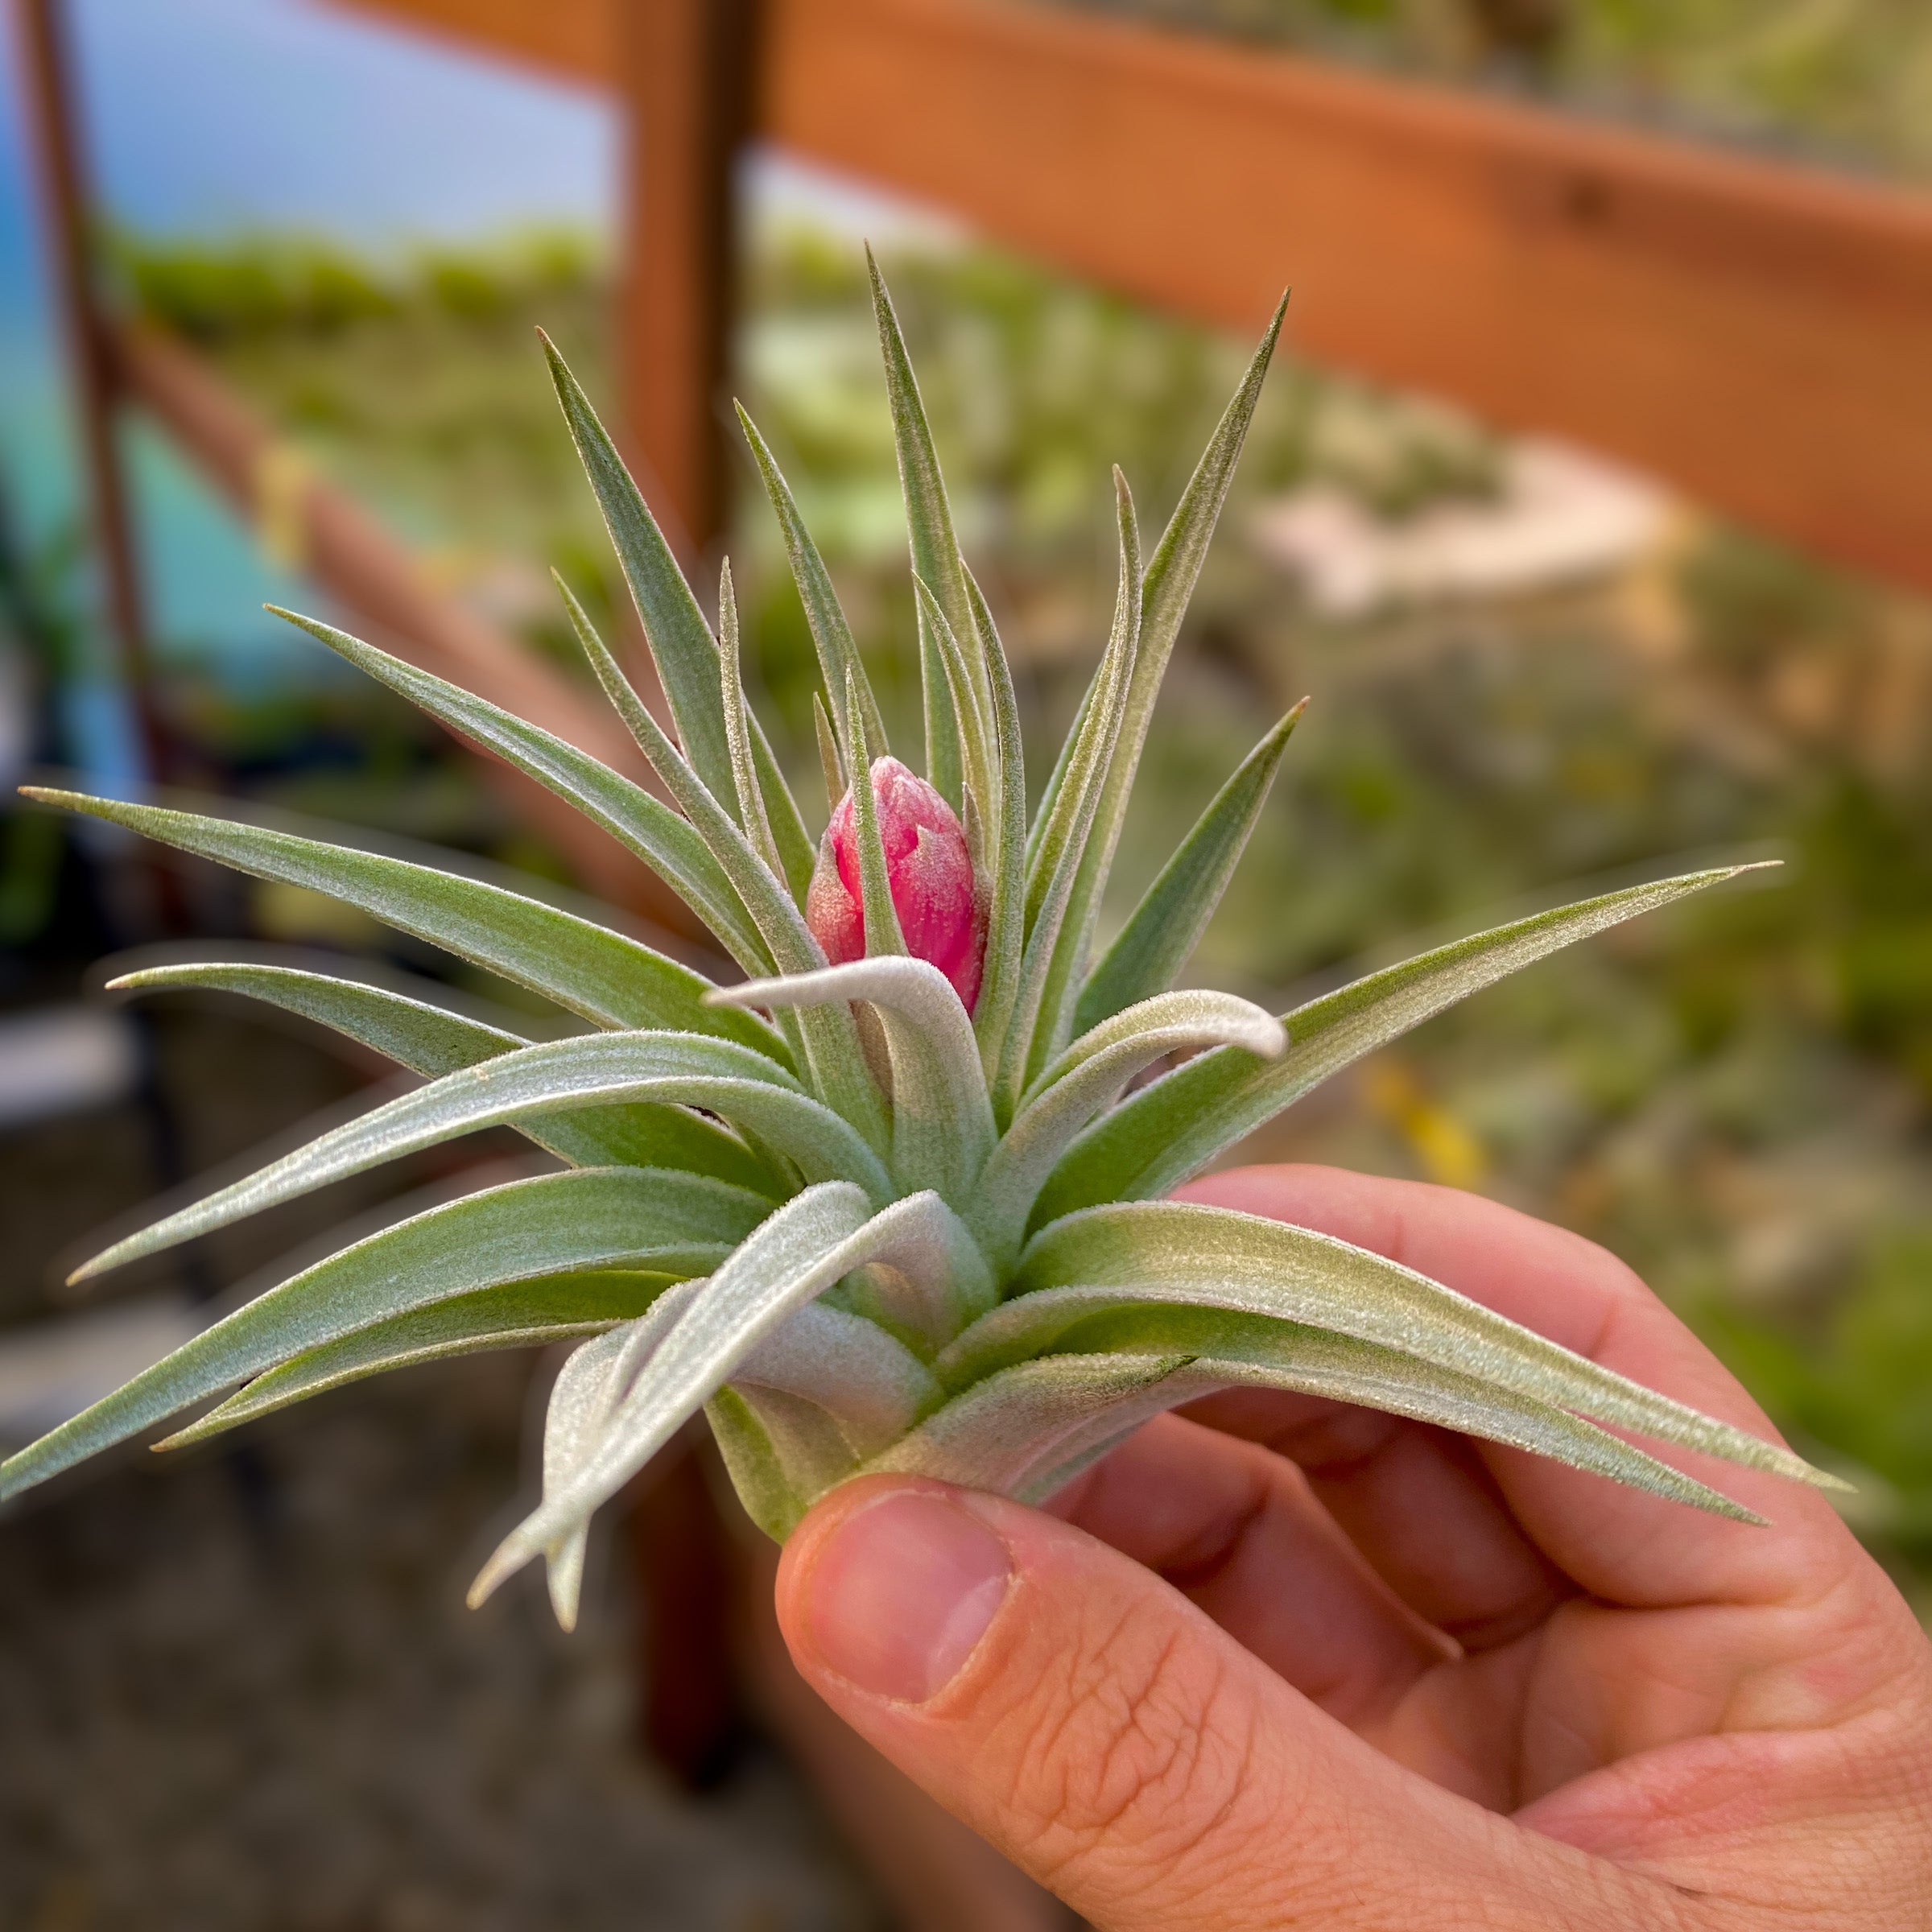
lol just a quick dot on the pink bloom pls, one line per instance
(929, 870)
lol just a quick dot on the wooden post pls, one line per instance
(685, 80)
(64, 204)
(686, 84)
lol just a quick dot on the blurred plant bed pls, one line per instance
(1734, 1096)
(1844, 82)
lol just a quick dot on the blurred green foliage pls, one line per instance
(1848, 79)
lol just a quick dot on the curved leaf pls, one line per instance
(942, 1121)
(519, 1314)
(1173, 1251)
(1173, 1128)
(872, 1386)
(642, 825)
(432, 1041)
(596, 1069)
(591, 1217)
(829, 1037)
(585, 968)
(589, 1386)
(1089, 1076)
(802, 1250)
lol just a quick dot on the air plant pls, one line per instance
(892, 1202)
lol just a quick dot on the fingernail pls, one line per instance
(903, 1591)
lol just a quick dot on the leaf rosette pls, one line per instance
(893, 1201)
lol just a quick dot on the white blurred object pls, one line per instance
(1561, 516)
(53, 1370)
(65, 1060)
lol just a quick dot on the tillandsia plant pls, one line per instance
(882, 1205)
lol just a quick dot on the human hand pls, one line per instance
(1292, 1663)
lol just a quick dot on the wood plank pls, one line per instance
(574, 40)
(1759, 335)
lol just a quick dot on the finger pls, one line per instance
(1108, 1737)
(1235, 1529)
(1617, 1543)
(1417, 1502)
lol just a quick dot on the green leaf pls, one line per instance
(589, 1386)
(1250, 1351)
(831, 634)
(1089, 1076)
(879, 915)
(1172, 573)
(594, 1217)
(642, 825)
(1051, 961)
(782, 1454)
(597, 1069)
(1006, 822)
(942, 1121)
(518, 1314)
(868, 1382)
(1217, 1257)
(802, 1250)
(978, 760)
(1155, 944)
(748, 793)
(830, 761)
(585, 968)
(681, 644)
(935, 554)
(1029, 1429)
(828, 1037)
(1174, 1128)
(431, 1040)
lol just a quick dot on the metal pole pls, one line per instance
(46, 75)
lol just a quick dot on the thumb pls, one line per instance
(1113, 1742)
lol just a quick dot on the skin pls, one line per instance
(1284, 1662)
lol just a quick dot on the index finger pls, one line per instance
(1615, 1543)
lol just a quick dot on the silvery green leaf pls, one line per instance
(781, 1452)
(680, 641)
(642, 825)
(1155, 944)
(829, 1040)
(518, 1314)
(1172, 573)
(1236, 1351)
(1171, 1129)
(597, 1069)
(935, 553)
(975, 758)
(1173, 1251)
(750, 798)
(830, 760)
(1049, 963)
(942, 1121)
(871, 1384)
(589, 1217)
(804, 1249)
(879, 915)
(1089, 1076)
(432, 1041)
(592, 1380)
(1006, 826)
(600, 974)
(831, 634)
(1027, 1430)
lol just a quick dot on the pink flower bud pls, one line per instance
(930, 871)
